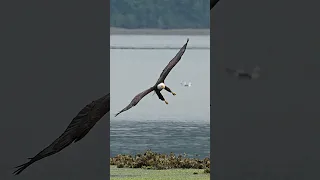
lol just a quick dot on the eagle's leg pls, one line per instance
(169, 90)
(161, 97)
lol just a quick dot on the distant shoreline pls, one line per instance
(122, 31)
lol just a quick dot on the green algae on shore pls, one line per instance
(157, 161)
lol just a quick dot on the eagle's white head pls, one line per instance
(161, 86)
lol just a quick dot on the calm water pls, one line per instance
(131, 137)
(181, 126)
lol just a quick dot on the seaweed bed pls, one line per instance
(157, 161)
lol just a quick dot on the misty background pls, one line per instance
(54, 61)
(267, 128)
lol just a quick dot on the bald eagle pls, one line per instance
(160, 85)
(213, 3)
(244, 75)
(77, 129)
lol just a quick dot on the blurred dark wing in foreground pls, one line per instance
(77, 129)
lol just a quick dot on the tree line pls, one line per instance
(160, 14)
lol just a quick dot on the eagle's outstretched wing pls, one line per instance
(77, 129)
(213, 3)
(135, 100)
(172, 63)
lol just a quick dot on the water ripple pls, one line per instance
(130, 137)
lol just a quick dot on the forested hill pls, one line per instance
(160, 14)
